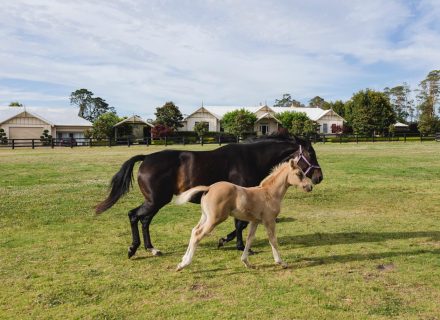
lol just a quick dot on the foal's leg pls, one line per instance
(250, 238)
(197, 234)
(270, 228)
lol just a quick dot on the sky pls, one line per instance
(139, 54)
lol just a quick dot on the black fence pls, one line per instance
(89, 142)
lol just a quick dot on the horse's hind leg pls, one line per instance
(239, 227)
(136, 241)
(147, 216)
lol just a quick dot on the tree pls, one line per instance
(169, 115)
(238, 122)
(369, 111)
(316, 102)
(297, 123)
(201, 128)
(161, 131)
(103, 126)
(3, 138)
(90, 108)
(429, 98)
(15, 104)
(338, 106)
(46, 138)
(401, 101)
(285, 101)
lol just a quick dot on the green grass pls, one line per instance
(364, 244)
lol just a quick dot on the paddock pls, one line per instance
(365, 243)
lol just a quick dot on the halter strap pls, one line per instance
(301, 156)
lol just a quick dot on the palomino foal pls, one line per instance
(256, 204)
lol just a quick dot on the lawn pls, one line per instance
(364, 244)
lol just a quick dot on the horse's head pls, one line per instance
(296, 177)
(305, 157)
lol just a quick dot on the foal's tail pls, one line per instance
(120, 184)
(187, 195)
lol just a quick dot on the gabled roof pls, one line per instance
(134, 120)
(400, 124)
(267, 115)
(52, 116)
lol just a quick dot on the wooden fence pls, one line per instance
(88, 142)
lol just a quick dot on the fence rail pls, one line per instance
(88, 142)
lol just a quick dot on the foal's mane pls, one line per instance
(274, 173)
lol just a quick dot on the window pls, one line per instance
(324, 128)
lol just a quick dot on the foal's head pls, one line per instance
(296, 177)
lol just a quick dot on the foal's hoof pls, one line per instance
(179, 267)
(221, 242)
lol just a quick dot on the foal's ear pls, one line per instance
(293, 164)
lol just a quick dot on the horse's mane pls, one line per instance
(278, 136)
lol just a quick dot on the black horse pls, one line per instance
(170, 172)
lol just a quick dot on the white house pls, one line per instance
(30, 122)
(266, 118)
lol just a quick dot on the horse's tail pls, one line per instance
(187, 195)
(120, 184)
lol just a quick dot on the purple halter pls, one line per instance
(301, 156)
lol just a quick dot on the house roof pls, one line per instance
(134, 120)
(52, 116)
(267, 115)
(400, 124)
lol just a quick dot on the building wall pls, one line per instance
(25, 120)
(271, 123)
(329, 119)
(214, 124)
(66, 131)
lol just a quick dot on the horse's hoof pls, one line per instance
(131, 252)
(155, 252)
(283, 265)
(221, 242)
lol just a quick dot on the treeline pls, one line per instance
(366, 112)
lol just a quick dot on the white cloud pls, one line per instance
(137, 55)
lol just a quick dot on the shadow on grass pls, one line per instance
(326, 239)
(343, 258)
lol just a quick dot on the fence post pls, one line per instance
(201, 140)
(340, 138)
(183, 140)
(323, 138)
(13, 143)
(357, 138)
(404, 137)
(238, 139)
(33, 144)
(52, 143)
(128, 142)
(373, 137)
(421, 138)
(219, 139)
(147, 142)
(71, 142)
(166, 141)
